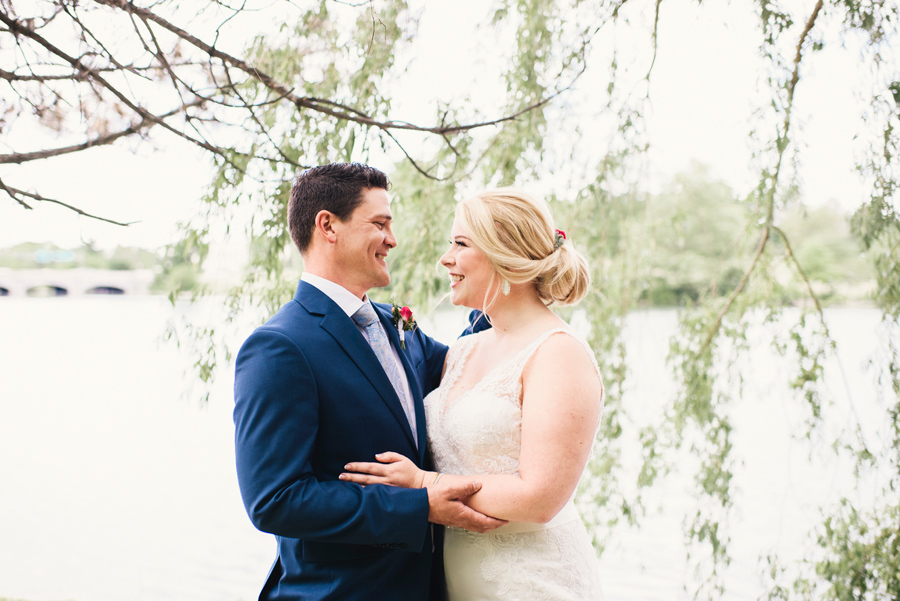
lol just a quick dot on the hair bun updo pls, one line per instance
(515, 231)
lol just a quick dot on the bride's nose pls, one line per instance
(446, 259)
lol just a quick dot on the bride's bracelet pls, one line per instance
(437, 476)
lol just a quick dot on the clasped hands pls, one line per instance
(446, 496)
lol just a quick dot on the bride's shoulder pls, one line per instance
(563, 351)
(563, 340)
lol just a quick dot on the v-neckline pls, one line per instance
(465, 359)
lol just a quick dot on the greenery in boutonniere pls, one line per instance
(403, 320)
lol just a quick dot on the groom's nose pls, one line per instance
(389, 239)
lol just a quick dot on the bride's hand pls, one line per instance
(392, 468)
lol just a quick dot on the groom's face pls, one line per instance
(363, 242)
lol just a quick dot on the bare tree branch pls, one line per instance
(16, 195)
(322, 106)
(50, 77)
(262, 128)
(80, 75)
(17, 28)
(24, 157)
(13, 193)
(411, 160)
(68, 77)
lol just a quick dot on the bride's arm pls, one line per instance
(560, 412)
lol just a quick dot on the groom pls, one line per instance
(324, 382)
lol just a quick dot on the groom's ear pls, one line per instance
(325, 226)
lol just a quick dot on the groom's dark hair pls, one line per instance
(336, 187)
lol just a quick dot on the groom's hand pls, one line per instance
(446, 507)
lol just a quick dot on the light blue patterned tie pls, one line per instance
(366, 318)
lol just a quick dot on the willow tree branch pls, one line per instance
(782, 138)
(655, 40)
(790, 253)
(737, 291)
(770, 213)
(618, 7)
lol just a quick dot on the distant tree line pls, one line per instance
(177, 269)
(35, 255)
(697, 225)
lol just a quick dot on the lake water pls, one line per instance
(116, 486)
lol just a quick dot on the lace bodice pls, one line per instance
(480, 431)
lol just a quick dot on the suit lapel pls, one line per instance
(414, 385)
(347, 335)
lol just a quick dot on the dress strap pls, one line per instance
(529, 350)
(526, 353)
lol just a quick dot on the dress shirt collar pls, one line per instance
(346, 300)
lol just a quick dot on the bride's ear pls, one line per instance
(324, 226)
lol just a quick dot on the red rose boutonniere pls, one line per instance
(403, 321)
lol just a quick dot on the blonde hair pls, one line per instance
(516, 233)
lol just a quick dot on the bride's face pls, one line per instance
(470, 272)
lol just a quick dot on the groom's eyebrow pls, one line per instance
(383, 217)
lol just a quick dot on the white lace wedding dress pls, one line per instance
(479, 432)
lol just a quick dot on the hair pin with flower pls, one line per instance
(403, 320)
(559, 238)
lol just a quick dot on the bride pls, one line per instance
(519, 405)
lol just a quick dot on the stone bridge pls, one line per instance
(73, 282)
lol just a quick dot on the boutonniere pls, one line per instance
(403, 321)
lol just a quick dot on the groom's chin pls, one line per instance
(383, 281)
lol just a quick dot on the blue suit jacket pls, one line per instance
(310, 396)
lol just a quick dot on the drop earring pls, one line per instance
(504, 287)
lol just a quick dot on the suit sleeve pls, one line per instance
(276, 417)
(478, 322)
(435, 353)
